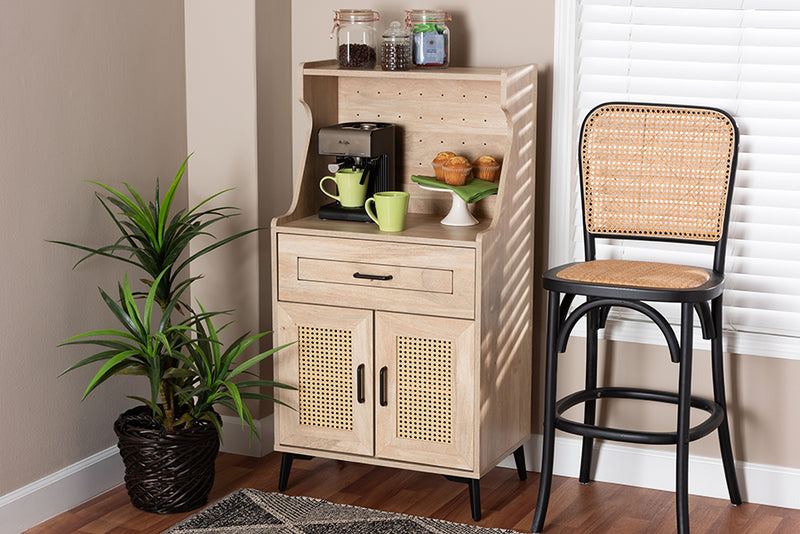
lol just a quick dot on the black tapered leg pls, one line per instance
(684, 394)
(718, 378)
(474, 485)
(475, 498)
(286, 468)
(590, 407)
(519, 459)
(548, 443)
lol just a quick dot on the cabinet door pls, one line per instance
(331, 366)
(425, 384)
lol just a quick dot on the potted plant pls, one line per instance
(170, 441)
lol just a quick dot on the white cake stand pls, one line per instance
(459, 213)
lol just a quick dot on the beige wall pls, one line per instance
(91, 90)
(221, 134)
(238, 126)
(275, 72)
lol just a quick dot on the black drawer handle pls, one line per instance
(382, 380)
(373, 276)
(360, 384)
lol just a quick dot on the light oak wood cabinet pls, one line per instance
(428, 368)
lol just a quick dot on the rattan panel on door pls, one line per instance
(426, 384)
(425, 389)
(326, 382)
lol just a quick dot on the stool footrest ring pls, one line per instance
(714, 420)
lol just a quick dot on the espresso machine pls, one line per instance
(359, 145)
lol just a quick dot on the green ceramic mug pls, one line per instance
(352, 192)
(391, 206)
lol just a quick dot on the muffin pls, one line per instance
(456, 170)
(440, 160)
(486, 168)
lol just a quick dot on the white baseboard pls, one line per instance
(65, 489)
(762, 484)
(649, 468)
(236, 438)
(61, 491)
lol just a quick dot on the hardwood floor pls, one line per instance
(506, 501)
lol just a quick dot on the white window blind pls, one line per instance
(742, 56)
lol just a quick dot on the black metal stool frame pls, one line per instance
(705, 300)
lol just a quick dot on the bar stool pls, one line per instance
(648, 172)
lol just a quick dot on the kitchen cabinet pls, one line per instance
(413, 348)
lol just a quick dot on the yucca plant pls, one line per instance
(188, 370)
(203, 374)
(209, 371)
(156, 240)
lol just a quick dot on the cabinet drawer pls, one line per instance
(422, 279)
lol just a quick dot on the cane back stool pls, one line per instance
(648, 172)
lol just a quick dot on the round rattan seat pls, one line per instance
(643, 280)
(636, 274)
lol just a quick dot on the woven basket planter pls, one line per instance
(166, 472)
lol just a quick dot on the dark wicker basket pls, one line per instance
(166, 472)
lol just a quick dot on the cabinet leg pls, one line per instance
(286, 468)
(474, 494)
(519, 459)
(475, 498)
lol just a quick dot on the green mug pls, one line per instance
(352, 192)
(392, 207)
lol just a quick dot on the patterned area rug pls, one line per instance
(248, 511)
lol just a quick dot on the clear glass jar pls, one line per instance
(356, 38)
(430, 43)
(396, 48)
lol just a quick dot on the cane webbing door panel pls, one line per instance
(331, 365)
(425, 388)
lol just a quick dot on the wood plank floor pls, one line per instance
(506, 501)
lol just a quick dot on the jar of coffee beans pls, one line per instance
(396, 48)
(356, 38)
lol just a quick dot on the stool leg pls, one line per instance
(684, 394)
(590, 407)
(718, 377)
(548, 445)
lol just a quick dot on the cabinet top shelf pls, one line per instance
(330, 68)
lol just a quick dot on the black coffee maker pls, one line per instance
(369, 146)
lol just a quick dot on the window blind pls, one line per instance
(742, 56)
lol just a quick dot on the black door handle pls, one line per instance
(360, 384)
(382, 379)
(373, 276)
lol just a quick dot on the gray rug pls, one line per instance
(248, 511)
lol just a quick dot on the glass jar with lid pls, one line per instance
(430, 43)
(396, 48)
(356, 37)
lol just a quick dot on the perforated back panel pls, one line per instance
(657, 171)
(431, 116)
(326, 377)
(425, 389)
